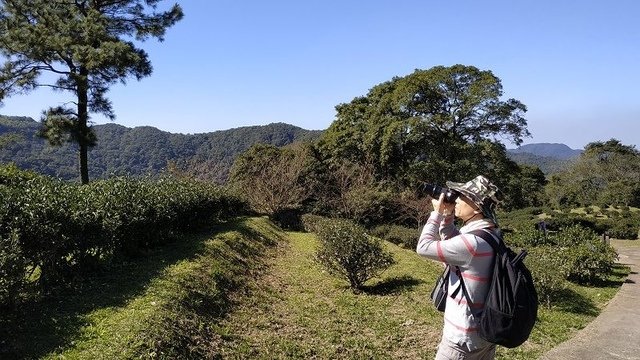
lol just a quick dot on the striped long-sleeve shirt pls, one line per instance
(441, 241)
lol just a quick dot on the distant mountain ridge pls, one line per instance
(553, 150)
(549, 157)
(147, 150)
(138, 151)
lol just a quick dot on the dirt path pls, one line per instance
(615, 333)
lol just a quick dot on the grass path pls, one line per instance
(298, 311)
(249, 290)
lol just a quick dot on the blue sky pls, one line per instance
(233, 63)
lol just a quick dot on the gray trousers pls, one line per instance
(448, 350)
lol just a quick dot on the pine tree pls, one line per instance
(88, 45)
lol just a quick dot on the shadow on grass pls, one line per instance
(570, 301)
(40, 326)
(619, 275)
(392, 285)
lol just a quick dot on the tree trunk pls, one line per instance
(83, 130)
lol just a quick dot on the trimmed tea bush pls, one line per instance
(399, 235)
(588, 259)
(549, 272)
(625, 227)
(13, 267)
(348, 252)
(64, 229)
(310, 222)
(584, 257)
(528, 237)
(590, 263)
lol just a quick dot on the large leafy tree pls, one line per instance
(430, 125)
(606, 173)
(87, 45)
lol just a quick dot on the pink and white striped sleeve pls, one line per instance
(453, 251)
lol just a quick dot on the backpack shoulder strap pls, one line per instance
(495, 242)
(461, 287)
(492, 239)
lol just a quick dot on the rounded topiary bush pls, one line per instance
(347, 251)
(311, 221)
(625, 228)
(399, 235)
(529, 237)
(549, 272)
(590, 263)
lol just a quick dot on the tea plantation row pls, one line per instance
(51, 231)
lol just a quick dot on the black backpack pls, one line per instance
(511, 306)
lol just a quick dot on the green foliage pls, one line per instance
(347, 251)
(590, 263)
(547, 164)
(66, 229)
(140, 309)
(575, 235)
(408, 131)
(549, 271)
(606, 173)
(409, 118)
(519, 219)
(87, 46)
(143, 150)
(13, 268)
(565, 220)
(625, 227)
(8, 139)
(584, 257)
(10, 174)
(589, 259)
(528, 237)
(310, 222)
(399, 235)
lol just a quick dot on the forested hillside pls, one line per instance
(550, 158)
(548, 164)
(138, 151)
(557, 151)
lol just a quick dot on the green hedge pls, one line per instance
(61, 229)
(399, 235)
(623, 224)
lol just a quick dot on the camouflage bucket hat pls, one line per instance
(482, 192)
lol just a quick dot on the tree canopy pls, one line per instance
(87, 46)
(606, 173)
(427, 124)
